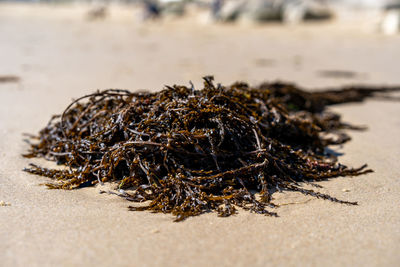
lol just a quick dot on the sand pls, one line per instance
(58, 56)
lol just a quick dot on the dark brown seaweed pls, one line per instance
(9, 79)
(188, 151)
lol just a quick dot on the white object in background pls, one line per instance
(391, 22)
(294, 12)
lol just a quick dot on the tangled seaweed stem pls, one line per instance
(188, 151)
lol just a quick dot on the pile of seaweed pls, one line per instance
(186, 151)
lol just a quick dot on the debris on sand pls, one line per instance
(186, 151)
(9, 79)
(4, 204)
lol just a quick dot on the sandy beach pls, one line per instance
(58, 56)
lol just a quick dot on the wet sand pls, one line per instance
(58, 55)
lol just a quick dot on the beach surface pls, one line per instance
(59, 55)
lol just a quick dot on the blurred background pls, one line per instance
(79, 46)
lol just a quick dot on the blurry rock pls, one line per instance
(288, 11)
(97, 13)
(297, 11)
(365, 4)
(262, 10)
(173, 7)
(294, 12)
(216, 6)
(317, 10)
(231, 10)
(151, 10)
